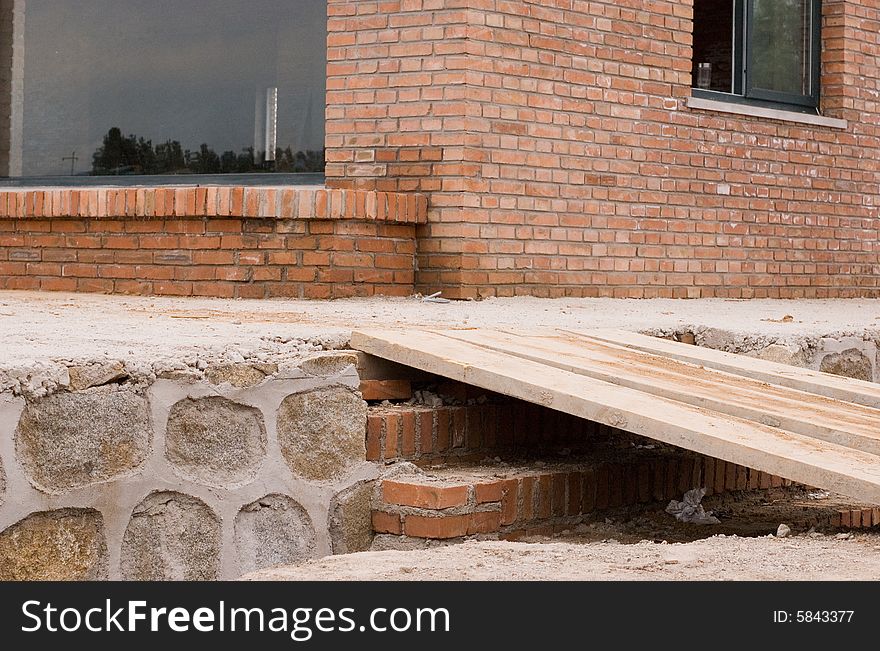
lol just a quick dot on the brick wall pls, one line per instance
(396, 111)
(511, 469)
(222, 242)
(456, 434)
(583, 468)
(560, 157)
(518, 502)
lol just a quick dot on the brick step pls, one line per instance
(510, 503)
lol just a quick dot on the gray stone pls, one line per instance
(783, 531)
(215, 441)
(65, 545)
(70, 440)
(351, 527)
(181, 376)
(95, 375)
(171, 537)
(783, 354)
(275, 530)
(241, 376)
(322, 432)
(850, 363)
(716, 339)
(329, 364)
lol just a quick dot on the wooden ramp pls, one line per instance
(817, 429)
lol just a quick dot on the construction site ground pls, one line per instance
(41, 333)
(38, 326)
(646, 545)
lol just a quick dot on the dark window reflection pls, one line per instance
(713, 45)
(118, 87)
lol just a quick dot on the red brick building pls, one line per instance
(564, 153)
(570, 148)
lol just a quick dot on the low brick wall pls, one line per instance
(227, 242)
(191, 476)
(511, 504)
(465, 491)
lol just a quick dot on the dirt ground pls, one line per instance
(41, 326)
(650, 545)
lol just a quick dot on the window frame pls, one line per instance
(743, 92)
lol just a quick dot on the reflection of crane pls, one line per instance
(72, 158)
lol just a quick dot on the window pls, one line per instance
(758, 51)
(122, 88)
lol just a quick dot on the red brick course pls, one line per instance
(306, 202)
(469, 433)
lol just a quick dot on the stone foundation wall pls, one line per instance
(848, 354)
(191, 476)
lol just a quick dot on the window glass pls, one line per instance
(780, 41)
(125, 87)
(758, 51)
(714, 45)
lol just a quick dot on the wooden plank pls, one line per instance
(807, 460)
(813, 415)
(832, 386)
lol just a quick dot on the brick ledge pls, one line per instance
(214, 201)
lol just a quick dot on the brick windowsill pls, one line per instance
(283, 202)
(700, 103)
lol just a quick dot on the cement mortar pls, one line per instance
(44, 334)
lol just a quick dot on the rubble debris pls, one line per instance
(690, 510)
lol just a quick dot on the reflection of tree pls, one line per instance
(780, 38)
(132, 155)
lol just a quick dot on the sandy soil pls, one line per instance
(41, 326)
(717, 558)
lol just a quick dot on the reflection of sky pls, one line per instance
(184, 70)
